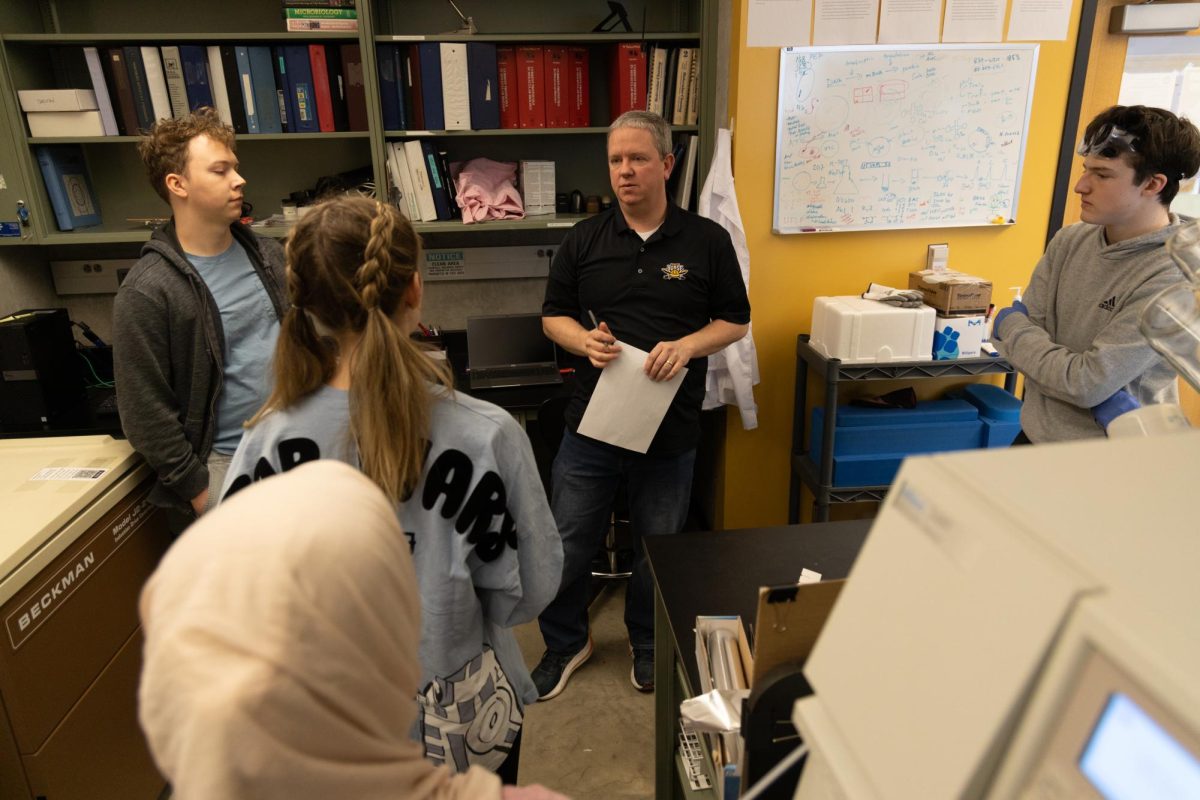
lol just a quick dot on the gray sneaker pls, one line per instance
(642, 673)
(551, 674)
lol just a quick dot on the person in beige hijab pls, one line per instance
(280, 658)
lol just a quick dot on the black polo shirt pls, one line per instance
(663, 289)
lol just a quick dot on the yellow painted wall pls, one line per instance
(787, 272)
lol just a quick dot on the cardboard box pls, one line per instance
(65, 123)
(57, 100)
(952, 292)
(537, 187)
(958, 337)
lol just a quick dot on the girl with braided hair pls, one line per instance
(351, 384)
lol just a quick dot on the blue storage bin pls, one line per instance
(932, 426)
(874, 469)
(999, 411)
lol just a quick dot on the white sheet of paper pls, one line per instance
(846, 22)
(973, 21)
(1152, 89)
(627, 407)
(1039, 20)
(910, 21)
(779, 23)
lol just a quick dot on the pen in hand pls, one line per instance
(606, 347)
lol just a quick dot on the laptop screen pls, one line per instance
(498, 341)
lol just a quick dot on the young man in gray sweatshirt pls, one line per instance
(196, 319)
(1075, 337)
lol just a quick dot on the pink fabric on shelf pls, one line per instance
(487, 189)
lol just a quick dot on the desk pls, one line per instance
(719, 573)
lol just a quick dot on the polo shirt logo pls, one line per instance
(674, 272)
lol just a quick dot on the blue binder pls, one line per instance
(300, 90)
(388, 58)
(69, 186)
(266, 99)
(482, 79)
(431, 85)
(195, 75)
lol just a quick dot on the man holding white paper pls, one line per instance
(650, 283)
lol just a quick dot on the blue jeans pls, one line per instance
(583, 485)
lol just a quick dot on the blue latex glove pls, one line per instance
(1114, 407)
(1016, 308)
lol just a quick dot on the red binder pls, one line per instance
(506, 66)
(320, 76)
(558, 87)
(580, 101)
(356, 97)
(531, 87)
(413, 67)
(628, 79)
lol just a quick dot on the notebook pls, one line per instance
(509, 350)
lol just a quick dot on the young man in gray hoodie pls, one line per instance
(1075, 337)
(196, 319)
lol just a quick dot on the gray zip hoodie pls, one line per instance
(168, 357)
(1081, 343)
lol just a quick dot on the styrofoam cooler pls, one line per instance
(859, 331)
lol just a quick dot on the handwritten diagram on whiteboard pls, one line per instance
(874, 137)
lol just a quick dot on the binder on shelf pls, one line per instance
(557, 67)
(195, 76)
(410, 99)
(386, 57)
(108, 117)
(356, 90)
(456, 89)
(398, 169)
(69, 186)
(683, 196)
(419, 175)
(678, 111)
(262, 81)
(139, 87)
(431, 86)
(692, 115)
(669, 83)
(156, 82)
(437, 181)
(176, 85)
(531, 89)
(320, 82)
(581, 104)
(233, 89)
(216, 82)
(506, 82)
(300, 89)
(443, 162)
(337, 87)
(657, 72)
(118, 78)
(241, 55)
(286, 101)
(485, 94)
(628, 79)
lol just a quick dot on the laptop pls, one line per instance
(509, 350)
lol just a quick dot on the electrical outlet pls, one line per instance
(96, 276)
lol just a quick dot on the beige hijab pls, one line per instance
(281, 649)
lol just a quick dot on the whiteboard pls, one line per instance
(875, 137)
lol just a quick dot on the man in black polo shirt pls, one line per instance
(667, 282)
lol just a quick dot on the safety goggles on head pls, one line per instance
(1107, 142)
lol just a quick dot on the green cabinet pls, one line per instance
(42, 47)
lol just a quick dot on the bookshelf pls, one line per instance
(42, 47)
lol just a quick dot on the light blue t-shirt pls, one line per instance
(251, 328)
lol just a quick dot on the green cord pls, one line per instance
(100, 382)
